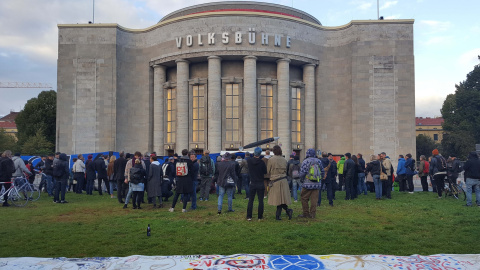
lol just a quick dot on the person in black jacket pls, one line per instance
(101, 169)
(374, 167)
(90, 173)
(61, 172)
(330, 170)
(472, 177)
(183, 168)
(362, 187)
(168, 178)
(256, 170)
(7, 168)
(349, 175)
(48, 171)
(119, 176)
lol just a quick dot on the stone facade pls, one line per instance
(221, 75)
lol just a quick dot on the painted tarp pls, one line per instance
(252, 261)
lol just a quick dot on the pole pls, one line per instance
(378, 10)
(93, 21)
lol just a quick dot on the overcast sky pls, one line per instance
(447, 37)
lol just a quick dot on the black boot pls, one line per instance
(279, 212)
(289, 213)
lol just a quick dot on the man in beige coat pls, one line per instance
(279, 193)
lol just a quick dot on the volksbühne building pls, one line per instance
(221, 75)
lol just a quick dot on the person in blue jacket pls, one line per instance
(409, 171)
(402, 180)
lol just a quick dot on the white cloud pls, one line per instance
(438, 40)
(364, 6)
(388, 4)
(436, 26)
(393, 17)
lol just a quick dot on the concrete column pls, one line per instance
(214, 103)
(250, 128)
(309, 80)
(183, 74)
(159, 78)
(284, 110)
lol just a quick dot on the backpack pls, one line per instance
(164, 169)
(182, 168)
(295, 171)
(135, 176)
(206, 166)
(314, 172)
(441, 163)
(59, 169)
(426, 168)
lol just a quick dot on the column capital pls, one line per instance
(250, 57)
(158, 66)
(182, 61)
(214, 57)
(283, 60)
(309, 65)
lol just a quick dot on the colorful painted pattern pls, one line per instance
(252, 261)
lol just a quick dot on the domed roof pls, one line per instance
(241, 6)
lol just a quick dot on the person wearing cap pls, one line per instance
(256, 171)
(310, 189)
(90, 174)
(224, 175)
(279, 193)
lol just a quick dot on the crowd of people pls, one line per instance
(262, 176)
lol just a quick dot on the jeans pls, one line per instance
(246, 184)
(60, 186)
(295, 185)
(130, 191)
(193, 195)
(362, 187)
(252, 192)
(378, 186)
(80, 176)
(229, 192)
(112, 185)
(470, 184)
(175, 199)
(205, 184)
(349, 188)
(90, 186)
(50, 184)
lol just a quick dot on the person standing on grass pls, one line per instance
(472, 177)
(101, 169)
(387, 185)
(183, 168)
(244, 175)
(256, 171)
(154, 182)
(341, 178)
(310, 188)
(194, 175)
(7, 168)
(333, 176)
(130, 164)
(409, 171)
(279, 194)
(79, 173)
(401, 171)
(207, 169)
(361, 187)
(225, 177)
(119, 176)
(423, 169)
(348, 175)
(374, 167)
(168, 169)
(454, 168)
(90, 174)
(266, 177)
(61, 172)
(111, 175)
(137, 183)
(294, 173)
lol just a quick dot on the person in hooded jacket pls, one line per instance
(20, 167)
(374, 167)
(401, 171)
(61, 181)
(472, 177)
(409, 171)
(184, 183)
(90, 174)
(136, 179)
(225, 171)
(341, 178)
(294, 174)
(310, 189)
(7, 168)
(256, 172)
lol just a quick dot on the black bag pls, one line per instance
(206, 166)
(59, 169)
(135, 176)
(441, 163)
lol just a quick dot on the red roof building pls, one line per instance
(431, 127)
(8, 123)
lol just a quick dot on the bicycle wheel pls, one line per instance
(17, 197)
(461, 194)
(455, 191)
(35, 192)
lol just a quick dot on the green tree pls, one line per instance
(39, 113)
(38, 145)
(7, 141)
(461, 114)
(425, 146)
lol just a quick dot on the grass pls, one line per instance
(91, 226)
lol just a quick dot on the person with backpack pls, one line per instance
(184, 184)
(409, 171)
(131, 161)
(423, 169)
(61, 171)
(294, 174)
(207, 170)
(137, 183)
(438, 168)
(312, 173)
(472, 177)
(168, 169)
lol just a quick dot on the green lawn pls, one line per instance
(96, 225)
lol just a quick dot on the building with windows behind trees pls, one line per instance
(221, 75)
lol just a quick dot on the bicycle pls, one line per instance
(452, 189)
(14, 195)
(31, 191)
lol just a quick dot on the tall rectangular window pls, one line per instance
(232, 118)
(198, 110)
(266, 111)
(171, 114)
(296, 115)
